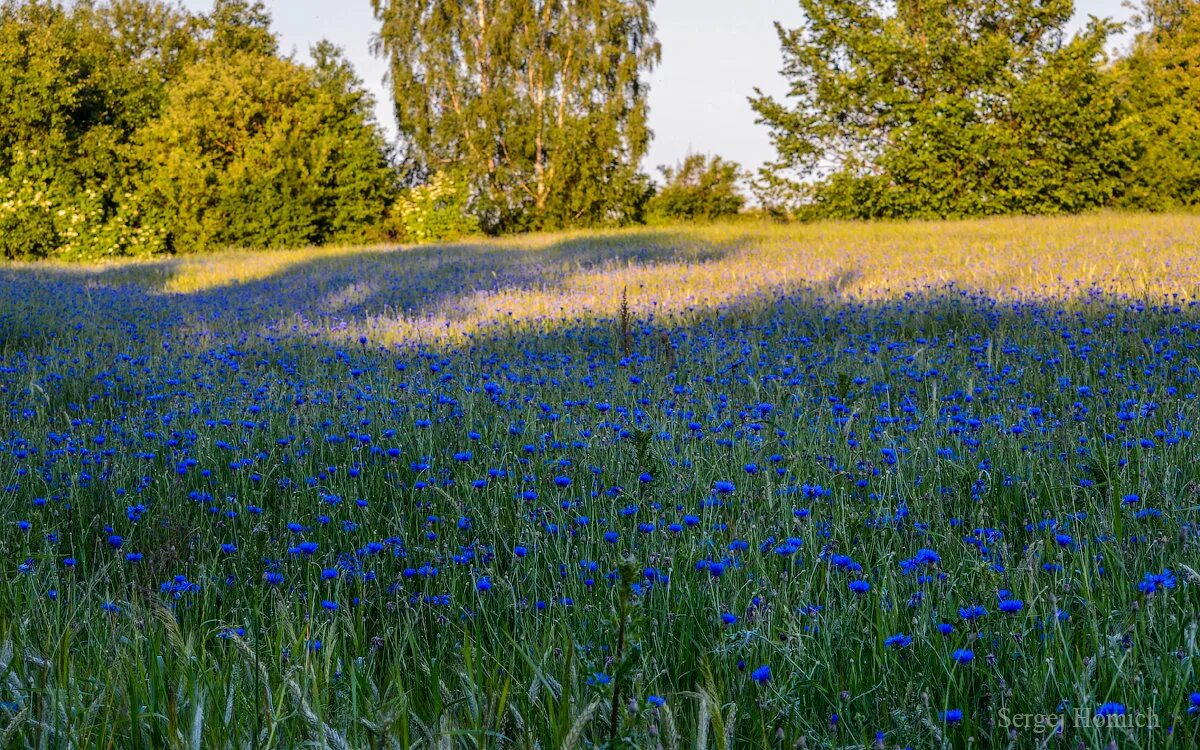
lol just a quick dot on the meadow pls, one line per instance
(742, 485)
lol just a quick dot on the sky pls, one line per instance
(715, 52)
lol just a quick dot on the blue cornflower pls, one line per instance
(963, 655)
(1011, 606)
(899, 640)
(972, 612)
(761, 675)
(1152, 582)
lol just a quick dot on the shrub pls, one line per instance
(434, 212)
(700, 187)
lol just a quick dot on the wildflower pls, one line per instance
(972, 612)
(762, 675)
(1152, 582)
(963, 655)
(952, 716)
(1011, 606)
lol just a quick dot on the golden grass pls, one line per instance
(398, 294)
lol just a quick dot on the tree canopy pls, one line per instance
(539, 106)
(940, 108)
(131, 127)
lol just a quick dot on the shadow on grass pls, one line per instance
(328, 287)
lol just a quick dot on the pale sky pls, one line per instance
(714, 53)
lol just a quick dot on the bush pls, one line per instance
(700, 187)
(41, 218)
(434, 212)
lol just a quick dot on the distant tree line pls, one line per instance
(135, 127)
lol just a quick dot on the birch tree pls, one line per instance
(539, 105)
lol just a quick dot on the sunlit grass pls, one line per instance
(537, 280)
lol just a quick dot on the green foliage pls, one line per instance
(941, 108)
(542, 105)
(258, 151)
(434, 212)
(134, 128)
(1160, 79)
(39, 216)
(699, 187)
(73, 91)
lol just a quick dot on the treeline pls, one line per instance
(135, 127)
(946, 108)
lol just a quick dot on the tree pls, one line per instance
(76, 84)
(240, 26)
(699, 187)
(1160, 81)
(254, 150)
(940, 108)
(539, 105)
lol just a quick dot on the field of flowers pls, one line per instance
(877, 486)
